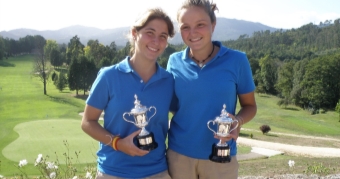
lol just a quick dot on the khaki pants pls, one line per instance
(183, 167)
(162, 175)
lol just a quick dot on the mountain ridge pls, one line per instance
(226, 29)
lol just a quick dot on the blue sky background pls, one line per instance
(108, 14)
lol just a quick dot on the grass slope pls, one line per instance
(21, 101)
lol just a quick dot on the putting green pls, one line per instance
(47, 137)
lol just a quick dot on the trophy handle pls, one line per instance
(209, 126)
(235, 126)
(153, 113)
(126, 119)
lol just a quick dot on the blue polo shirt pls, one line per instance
(113, 91)
(201, 94)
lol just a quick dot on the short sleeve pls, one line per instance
(99, 93)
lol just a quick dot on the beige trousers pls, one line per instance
(162, 175)
(183, 167)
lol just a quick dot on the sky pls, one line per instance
(109, 14)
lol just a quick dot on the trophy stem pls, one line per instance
(220, 144)
(144, 132)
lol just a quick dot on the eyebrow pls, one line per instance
(150, 28)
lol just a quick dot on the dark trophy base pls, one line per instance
(218, 154)
(146, 142)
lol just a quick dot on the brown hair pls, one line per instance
(209, 7)
(145, 18)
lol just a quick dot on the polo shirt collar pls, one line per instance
(124, 66)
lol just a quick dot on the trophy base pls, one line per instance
(220, 154)
(146, 142)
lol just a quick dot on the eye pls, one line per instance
(184, 28)
(200, 25)
(164, 37)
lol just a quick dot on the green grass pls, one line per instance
(293, 120)
(22, 101)
(45, 136)
(32, 123)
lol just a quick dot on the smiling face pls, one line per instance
(151, 40)
(196, 27)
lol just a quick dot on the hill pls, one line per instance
(226, 29)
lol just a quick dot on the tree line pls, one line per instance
(301, 66)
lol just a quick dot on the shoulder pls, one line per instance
(230, 53)
(178, 55)
(164, 72)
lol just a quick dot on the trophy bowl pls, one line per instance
(221, 151)
(145, 139)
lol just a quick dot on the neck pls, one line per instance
(144, 68)
(203, 60)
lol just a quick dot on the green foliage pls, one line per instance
(61, 82)
(2, 48)
(337, 108)
(53, 169)
(56, 58)
(75, 49)
(267, 76)
(318, 168)
(265, 129)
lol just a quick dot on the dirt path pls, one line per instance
(294, 149)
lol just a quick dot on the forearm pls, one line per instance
(246, 114)
(96, 131)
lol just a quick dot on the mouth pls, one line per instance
(152, 49)
(195, 39)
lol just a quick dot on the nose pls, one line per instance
(156, 40)
(192, 30)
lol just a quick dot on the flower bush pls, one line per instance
(53, 170)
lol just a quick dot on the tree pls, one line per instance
(337, 108)
(49, 47)
(284, 83)
(61, 81)
(81, 74)
(74, 76)
(268, 74)
(2, 48)
(75, 50)
(40, 68)
(88, 73)
(55, 58)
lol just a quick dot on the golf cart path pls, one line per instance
(294, 149)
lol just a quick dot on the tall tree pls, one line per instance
(284, 83)
(268, 74)
(74, 50)
(40, 68)
(49, 47)
(2, 48)
(56, 58)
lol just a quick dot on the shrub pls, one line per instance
(265, 129)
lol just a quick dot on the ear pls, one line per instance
(134, 33)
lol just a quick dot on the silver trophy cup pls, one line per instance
(221, 151)
(145, 139)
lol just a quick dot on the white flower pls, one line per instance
(38, 160)
(75, 177)
(50, 165)
(53, 175)
(22, 163)
(88, 175)
(1, 176)
(291, 163)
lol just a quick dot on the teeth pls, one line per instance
(196, 39)
(153, 49)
